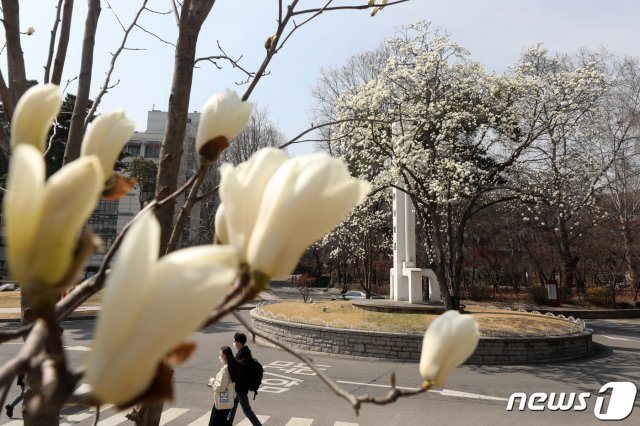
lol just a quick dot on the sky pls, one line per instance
(494, 31)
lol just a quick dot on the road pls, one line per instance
(293, 396)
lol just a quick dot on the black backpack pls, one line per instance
(254, 375)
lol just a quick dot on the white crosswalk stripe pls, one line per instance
(299, 421)
(246, 422)
(202, 421)
(171, 416)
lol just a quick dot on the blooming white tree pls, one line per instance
(562, 174)
(451, 134)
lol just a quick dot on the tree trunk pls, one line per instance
(631, 259)
(76, 126)
(192, 16)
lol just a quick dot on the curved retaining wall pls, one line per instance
(406, 347)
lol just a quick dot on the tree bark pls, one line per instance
(63, 42)
(192, 16)
(15, 59)
(76, 127)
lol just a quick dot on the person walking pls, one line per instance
(244, 357)
(223, 388)
(19, 398)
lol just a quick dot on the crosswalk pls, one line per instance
(109, 416)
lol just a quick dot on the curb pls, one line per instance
(245, 307)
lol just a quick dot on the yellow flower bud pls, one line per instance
(105, 138)
(33, 115)
(69, 198)
(23, 208)
(223, 117)
(447, 343)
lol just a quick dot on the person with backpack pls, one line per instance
(19, 398)
(244, 379)
(223, 388)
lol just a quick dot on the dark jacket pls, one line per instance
(243, 356)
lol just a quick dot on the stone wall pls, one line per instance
(406, 347)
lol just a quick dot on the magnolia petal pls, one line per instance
(221, 231)
(69, 198)
(127, 285)
(242, 189)
(33, 115)
(105, 138)
(190, 281)
(304, 200)
(223, 115)
(23, 207)
(447, 343)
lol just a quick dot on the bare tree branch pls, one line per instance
(76, 128)
(155, 35)
(52, 41)
(63, 42)
(105, 86)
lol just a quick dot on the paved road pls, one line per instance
(294, 396)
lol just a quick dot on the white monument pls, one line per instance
(406, 278)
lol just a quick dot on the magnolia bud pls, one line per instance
(223, 117)
(33, 115)
(105, 137)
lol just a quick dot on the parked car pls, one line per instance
(355, 294)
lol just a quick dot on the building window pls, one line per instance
(151, 151)
(133, 149)
(104, 221)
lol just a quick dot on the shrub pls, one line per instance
(596, 296)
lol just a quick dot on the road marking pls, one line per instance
(78, 348)
(170, 414)
(114, 420)
(246, 422)
(443, 392)
(202, 421)
(620, 338)
(299, 421)
(78, 417)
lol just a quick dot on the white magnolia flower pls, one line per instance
(223, 117)
(221, 231)
(31, 30)
(136, 328)
(275, 207)
(42, 221)
(105, 137)
(448, 342)
(33, 115)
(244, 187)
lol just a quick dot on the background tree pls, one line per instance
(145, 172)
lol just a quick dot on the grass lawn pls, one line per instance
(341, 314)
(11, 299)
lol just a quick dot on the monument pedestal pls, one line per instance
(405, 277)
